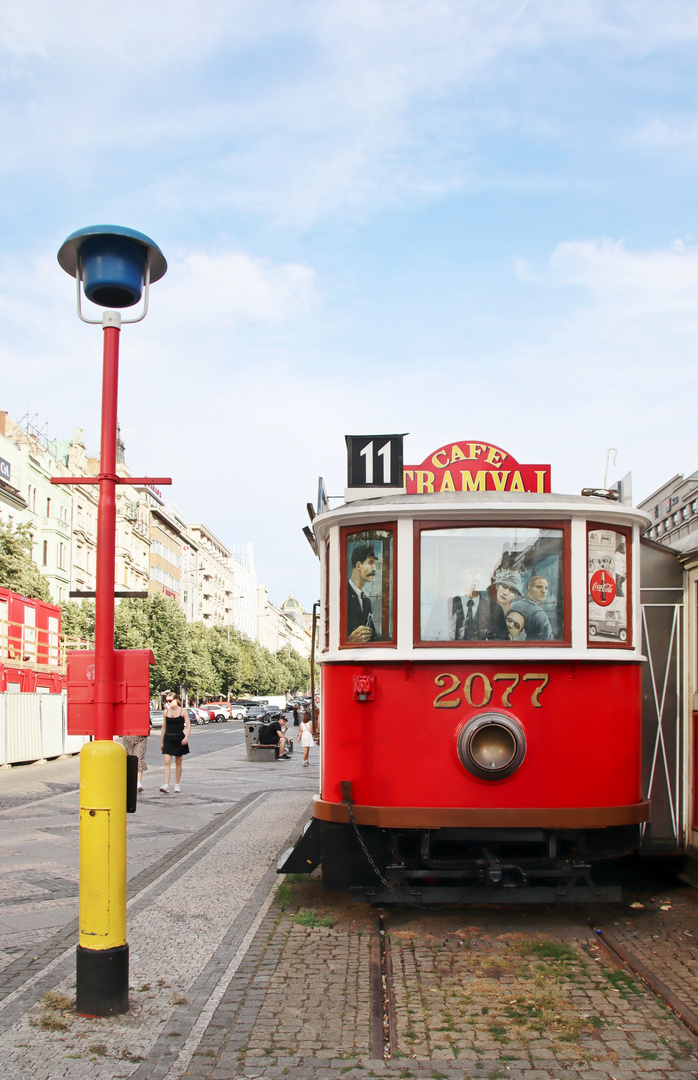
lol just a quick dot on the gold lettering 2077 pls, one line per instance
(478, 689)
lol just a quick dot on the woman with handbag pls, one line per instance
(174, 741)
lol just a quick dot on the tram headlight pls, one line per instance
(492, 746)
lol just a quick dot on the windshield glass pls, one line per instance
(492, 583)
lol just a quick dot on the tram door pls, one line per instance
(662, 598)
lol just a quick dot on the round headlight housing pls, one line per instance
(492, 746)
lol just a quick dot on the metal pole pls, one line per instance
(106, 534)
(312, 669)
(102, 959)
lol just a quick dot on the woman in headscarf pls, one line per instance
(508, 587)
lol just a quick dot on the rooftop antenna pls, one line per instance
(611, 450)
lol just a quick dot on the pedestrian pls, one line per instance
(135, 745)
(305, 735)
(274, 734)
(174, 741)
(296, 716)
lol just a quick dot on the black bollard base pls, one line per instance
(102, 981)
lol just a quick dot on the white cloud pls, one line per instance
(362, 103)
(217, 291)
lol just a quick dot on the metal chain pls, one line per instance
(388, 886)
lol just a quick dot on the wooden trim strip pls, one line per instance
(475, 817)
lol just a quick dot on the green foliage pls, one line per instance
(210, 659)
(549, 950)
(310, 917)
(78, 619)
(284, 895)
(17, 570)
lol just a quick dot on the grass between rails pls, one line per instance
(521, 994)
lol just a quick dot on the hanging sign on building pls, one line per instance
(5, 470)
(474, 466)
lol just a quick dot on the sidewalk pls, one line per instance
(197, 894)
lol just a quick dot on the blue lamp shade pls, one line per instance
(112, 262)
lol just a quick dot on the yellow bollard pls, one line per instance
(102, 956)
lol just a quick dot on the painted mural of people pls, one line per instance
(360, 624)
(508, 587)
(470, 615)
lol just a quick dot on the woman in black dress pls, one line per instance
(174, 741)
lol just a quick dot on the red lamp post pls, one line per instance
(115, 266)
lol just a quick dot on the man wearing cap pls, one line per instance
(360, 625)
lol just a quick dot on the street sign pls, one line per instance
(374, 461)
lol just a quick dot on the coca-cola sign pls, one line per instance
(602, 587)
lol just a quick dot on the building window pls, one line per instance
(44, 557)
(48, 507)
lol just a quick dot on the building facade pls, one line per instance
(28, 460)
(285, 627)
(216, 577)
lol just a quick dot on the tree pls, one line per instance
(78, 619)
(17, 570)
(169, 641)
(202, 676)
(131, 625)
(226, 657)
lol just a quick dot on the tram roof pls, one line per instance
(485, 504)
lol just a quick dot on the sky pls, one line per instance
(461, 219)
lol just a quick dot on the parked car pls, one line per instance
(219, 706)
(273, 712)
(215, 711)
(198, 716)
(156, 718)
(238, 711)
(256, 712)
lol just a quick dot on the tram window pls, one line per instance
(608, 586)
(326, 635)
(492, 584)
(368, 592)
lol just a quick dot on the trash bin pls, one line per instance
(251, 734)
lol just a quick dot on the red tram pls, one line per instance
(481, 652)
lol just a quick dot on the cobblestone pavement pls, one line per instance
(477, 993)
(235, 976)
(662, 932)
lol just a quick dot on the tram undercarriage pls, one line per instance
(442, 866)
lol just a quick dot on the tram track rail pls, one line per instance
(383, 1020)
(616, 951)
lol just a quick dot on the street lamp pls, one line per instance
(115, 267)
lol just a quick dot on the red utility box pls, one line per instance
(131, 691)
